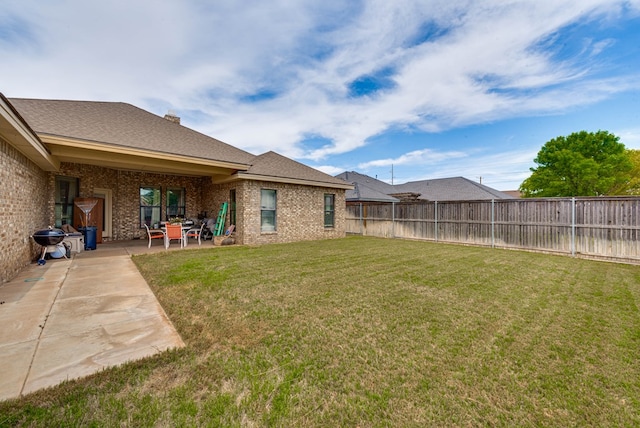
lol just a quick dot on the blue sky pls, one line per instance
(429, 88)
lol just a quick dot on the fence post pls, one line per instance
(361, 222)
(573, 227)
(393, 219)
(492, 223)
(435, 218)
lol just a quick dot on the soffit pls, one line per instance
(17, 133)
(241, 175)
(91, 153)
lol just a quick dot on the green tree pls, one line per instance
(582, 164)
(632, 186)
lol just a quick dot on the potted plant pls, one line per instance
(176, 220)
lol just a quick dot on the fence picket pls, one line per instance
(604, 227)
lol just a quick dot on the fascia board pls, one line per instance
(245, 176)
(19, 134)
(66, 142)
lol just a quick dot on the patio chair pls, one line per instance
(154, 234)
(174, 231)
(194, 232)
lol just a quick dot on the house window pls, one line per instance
(329, 209)
(176, 206)
(66, 191)
(150, 206)
(267, 210)
(232, 206)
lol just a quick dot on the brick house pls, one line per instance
(146, 168)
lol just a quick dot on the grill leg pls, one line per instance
(41, 260)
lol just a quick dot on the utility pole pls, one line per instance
(480, 179)
(392, 174)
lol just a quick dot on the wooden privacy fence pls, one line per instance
(605, 227)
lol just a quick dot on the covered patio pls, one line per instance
(117, 168)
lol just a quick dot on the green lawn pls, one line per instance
(371, 332)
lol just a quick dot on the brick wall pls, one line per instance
(125, 186)
(299, 213)
(214, 195)
(24, 191)
(28, 203)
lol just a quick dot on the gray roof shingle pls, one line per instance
(136, 128)
(363, 193)
(450, 189)
(370, 182)
(273, 164)
(441, 189)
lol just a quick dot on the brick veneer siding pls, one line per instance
(299, 213)
(28, 196)
(214, 195)
(24, 193)
(300, 210)
(125, 186)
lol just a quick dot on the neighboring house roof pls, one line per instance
(448, 189)
(441, 189)
(272, 166)
(121, 124)
(370, 182)
(362, 193)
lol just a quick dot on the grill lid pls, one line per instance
(49, 236)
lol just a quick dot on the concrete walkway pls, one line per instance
(71, 318)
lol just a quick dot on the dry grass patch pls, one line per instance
(372, 332)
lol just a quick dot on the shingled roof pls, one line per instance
(15, 129)
(122, 124)
(369, 182)
(115, 126)
(362, 193)
(451, 189)
(441, 189)
(273, 166)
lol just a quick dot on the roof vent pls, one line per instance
(171, 117)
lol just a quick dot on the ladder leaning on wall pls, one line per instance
(222, 215)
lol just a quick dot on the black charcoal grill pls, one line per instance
(48, 239)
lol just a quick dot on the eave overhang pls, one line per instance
(126, 158)
(240, 175)
(17, 132)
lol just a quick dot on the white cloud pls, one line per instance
(630, 137)
(416, 157)
(439, 85)
(331, 170)
(206, 61)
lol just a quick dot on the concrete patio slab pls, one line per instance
(71, 318)
(14, 373)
